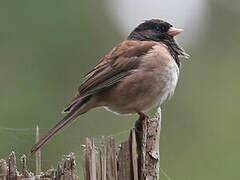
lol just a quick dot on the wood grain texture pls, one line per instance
(134, 154)
(111, 159)
(90, 161)
(3, 169)
(124, 162)
(152, 161)
(148, 137)
(12, 171)
(137, 158)
(69, 168)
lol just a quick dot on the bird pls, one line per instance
(136, 75)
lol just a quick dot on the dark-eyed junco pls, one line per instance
(136, 75)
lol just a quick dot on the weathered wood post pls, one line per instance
(90, 161)
(3, 169)
(12, 167)
(137, 159)
(69, 168)
(148, 138)
(38, 155)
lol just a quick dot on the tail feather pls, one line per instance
(76, 110)
(73, 102)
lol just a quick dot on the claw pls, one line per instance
(143, 117)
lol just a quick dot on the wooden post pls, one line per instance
(12, 171)
(69, 168)
(141, 139)
(103, 160)
(25, 173)
(3, 169)
(111, 159)
(151, 150)
(124, 161)
(134, 154)
(137, 159)
(90, 161)
(38, 155)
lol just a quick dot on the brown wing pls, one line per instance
(115, 65)
(112, 68)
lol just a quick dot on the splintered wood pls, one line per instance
(90, 160)
(3, 169)
(8, 171)
(137, 158)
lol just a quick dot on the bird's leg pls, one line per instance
(143, 117)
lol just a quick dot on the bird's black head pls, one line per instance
(160, 31)
(152, 30)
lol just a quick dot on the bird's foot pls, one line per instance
(143, 117)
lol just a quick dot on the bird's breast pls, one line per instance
(165, 70)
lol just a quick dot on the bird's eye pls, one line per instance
(157, 28)
(161, 28)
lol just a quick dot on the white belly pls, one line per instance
(171, 79)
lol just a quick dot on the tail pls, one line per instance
(76, 110)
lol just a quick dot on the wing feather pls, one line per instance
(113, 67)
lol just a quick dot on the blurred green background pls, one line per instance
(47, 46)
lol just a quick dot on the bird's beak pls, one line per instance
(174, 31)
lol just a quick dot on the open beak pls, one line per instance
(174, 31)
